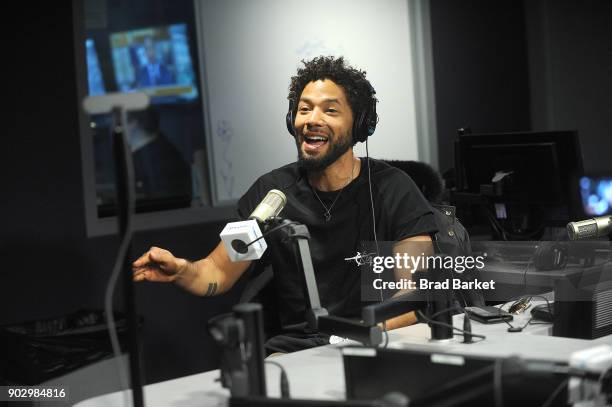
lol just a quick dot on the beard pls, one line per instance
(335, 151)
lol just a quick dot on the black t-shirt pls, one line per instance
(400, 210)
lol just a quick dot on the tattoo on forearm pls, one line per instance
(212, 289)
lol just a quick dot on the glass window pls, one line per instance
(148, 46)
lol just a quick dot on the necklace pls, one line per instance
(327, 213)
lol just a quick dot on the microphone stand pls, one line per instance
(366, 331)
(317, 317)
(125, 186)
(240, 336)
(118, 104)
(437, 302)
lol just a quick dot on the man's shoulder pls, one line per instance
(282, 177)
(387, 176)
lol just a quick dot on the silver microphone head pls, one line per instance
(270, 206)
(590, 228)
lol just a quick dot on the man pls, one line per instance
(154, 72)
(328, 189)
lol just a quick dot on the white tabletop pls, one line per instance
(318, 373)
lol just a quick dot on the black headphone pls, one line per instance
(550, 256)
(363, 126)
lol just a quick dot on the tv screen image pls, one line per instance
(596, 194)
(95, 80)
(156, 61)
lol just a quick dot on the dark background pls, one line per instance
(498, 66)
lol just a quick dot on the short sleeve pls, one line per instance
(409, 213)
(251, 198)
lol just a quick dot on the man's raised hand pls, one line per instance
(157, 265)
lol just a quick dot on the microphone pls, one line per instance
(590, 228)
(243, 240)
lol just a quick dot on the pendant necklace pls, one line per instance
(327, 213)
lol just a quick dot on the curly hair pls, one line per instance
(359, 91)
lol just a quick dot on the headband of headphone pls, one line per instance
(364, 123)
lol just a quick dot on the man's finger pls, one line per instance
(139, 277)
(142, 260)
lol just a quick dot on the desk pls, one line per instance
(318, 373)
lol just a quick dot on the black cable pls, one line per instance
(274, 229)
(384, 325)
(123, 250)
(516, 300)
(453, 308)
(494, 224)
(463, 336)
(505, 234)
(555, 393)
(371, 199)
(467, 325)
(525, 274)
(386, 335)
(448, 325)
(284, 380)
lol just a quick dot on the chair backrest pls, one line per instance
(453, 239)
(452, 236)
(259, 277)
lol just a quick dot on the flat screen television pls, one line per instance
(526, 178)
(155, 60)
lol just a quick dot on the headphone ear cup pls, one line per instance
(549, 257)
(371, 123)
(289, 120)
(358, 135)
(365, 125)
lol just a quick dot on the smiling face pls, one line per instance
(323, 123)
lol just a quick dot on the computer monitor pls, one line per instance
(157, 61)
(442, 378)
(525, 178)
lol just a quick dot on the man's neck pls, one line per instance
(337, 175)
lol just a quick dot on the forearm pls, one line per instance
(202, 278)
(401, 321)
(414, 247)
(212, 275)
